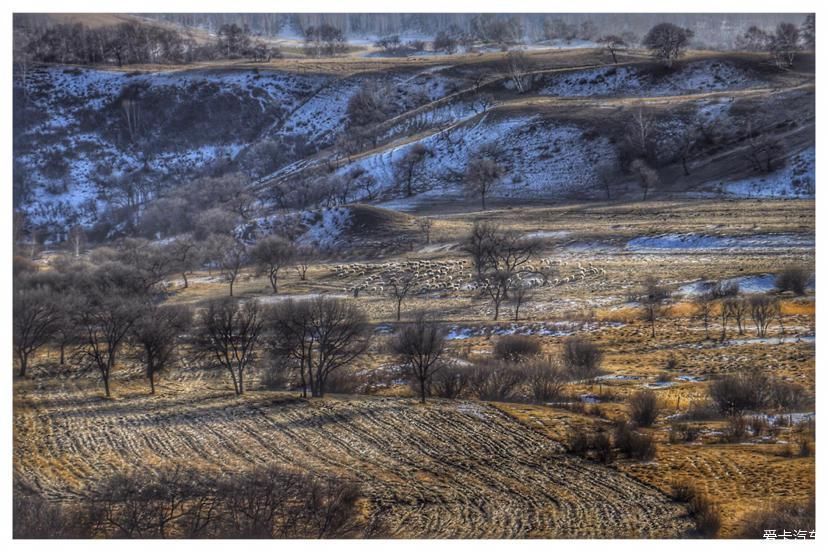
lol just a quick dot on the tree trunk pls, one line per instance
(273, 282)
(684, 165)
(614, 59)
(152, 383)
(483, 201)
(106, 385)
(399, 307)
(652, 326)
(62, 353)
(231, 287)
(24, 361)
(186, 283)
(422, 390)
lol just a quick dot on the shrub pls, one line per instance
(516, 348)
(634, 444)
(264, 502)
(757, 425)
(279, 374)
(582, 358)
(602, 446)
(36, 518)
(705, 514)
(805, 448)
(734, 394)
(793, 278)
(700, 411)
(450, 382)
(781, 516)
(595, 446)
(546, 380)
(681, 432)
(787, 395)
(736, 429)
(644, 407)
(495, 381)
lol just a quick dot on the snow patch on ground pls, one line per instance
(683, 242)
(325, 227)
(797, 179)
(694, 77)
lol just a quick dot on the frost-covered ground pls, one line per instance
(796, 179)
(694, 77)
(684, 242)
(541, 157)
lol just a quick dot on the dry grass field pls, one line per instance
(468, 468)
(146, 193)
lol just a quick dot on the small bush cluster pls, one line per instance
(706, 514)
(644, 408)
(634, 444)
(782, 516)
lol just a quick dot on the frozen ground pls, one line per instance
(694, 77)
(684, 242)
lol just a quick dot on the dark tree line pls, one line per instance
(134, 43)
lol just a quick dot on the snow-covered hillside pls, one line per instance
(78, 131)
(692, 78)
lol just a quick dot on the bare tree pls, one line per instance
(304, 255)
(667, 42)
(322, 334)
(420, 346)
(149, 262)
(230, 331)
(608, 176)
(704, 304)
(784, 45)
(409, 166)
(34, 320)
(763, 148)
(612, 44)
(290, 334)
(737, 307)
(157, 333)
(647, 176)
(546, 379)
(229, 255)
(340, 333)
(517, 66)
(500, 258)
(763, 310)
(640, 130)
(105, 320)
(653, 300)
(425, 224)
(185, 255)
(582, 358)
(521, 293)
(482, 175)
(271, 254)
(368, 107)
(450, 381)
(400, 286)
(77, 237)
(478, 243)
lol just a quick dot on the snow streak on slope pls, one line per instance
(695, 77)
(542, 158)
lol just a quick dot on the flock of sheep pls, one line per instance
(452, 275)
